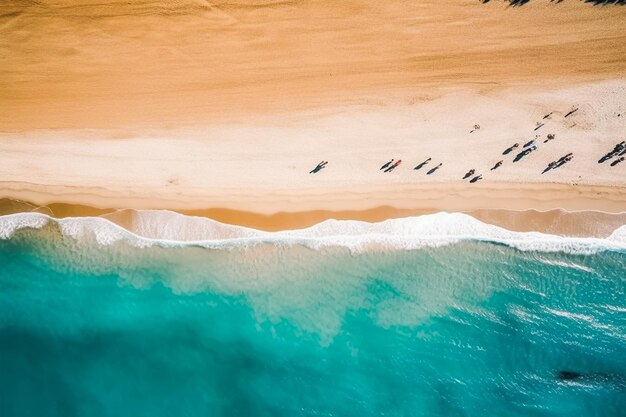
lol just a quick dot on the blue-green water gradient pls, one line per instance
(469, 329)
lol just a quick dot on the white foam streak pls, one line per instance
(164, 228)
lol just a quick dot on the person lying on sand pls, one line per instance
(422, 164)
(392, 167)
(618, 161)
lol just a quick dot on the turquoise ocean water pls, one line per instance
(469, 329)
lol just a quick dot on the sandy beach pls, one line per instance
(117, 107)
(297, 208)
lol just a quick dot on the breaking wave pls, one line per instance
(165, 228)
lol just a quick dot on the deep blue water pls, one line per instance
(470, 329)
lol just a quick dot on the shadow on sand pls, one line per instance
(516, 3)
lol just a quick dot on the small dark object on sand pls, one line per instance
(563, 160)
(539, 125)
(476, 127)
(469, 173)
(618, 161)
(524, 153)
(559, 163)
(549, 167)
(617, 150)
(496, 166)
(434, 169)
(548, 115)
(386, 165)
(510, 148)
(392, 167)
(571, 112)
(550, 137)
(319, 167)
(422, 164)
(476, 179)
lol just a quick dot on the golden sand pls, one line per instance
(103, 64)
(190, 105)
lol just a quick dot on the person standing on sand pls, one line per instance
(423, 163)
(386, 165)
(318, 168)
(392, 167)
(497, 165)
(433, 170)
(510, 148)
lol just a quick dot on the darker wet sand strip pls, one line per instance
(560, 222)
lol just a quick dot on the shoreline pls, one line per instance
(257, 173)
(586, 223)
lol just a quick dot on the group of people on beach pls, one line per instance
(559, 162)
(391, 165)
(618, 152)
(430, 171)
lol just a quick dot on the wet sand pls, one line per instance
(559, 222)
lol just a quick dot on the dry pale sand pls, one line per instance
(197, 106)
(263, 165)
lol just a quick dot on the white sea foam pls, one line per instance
(566, 264)
(165, 228)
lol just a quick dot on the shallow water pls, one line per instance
(469, 329)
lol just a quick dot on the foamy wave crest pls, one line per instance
(165, 228)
